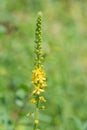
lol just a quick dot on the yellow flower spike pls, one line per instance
(38, 74)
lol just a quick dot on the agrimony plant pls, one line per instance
(38, 74)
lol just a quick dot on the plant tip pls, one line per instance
(40, 13)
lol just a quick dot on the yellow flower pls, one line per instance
(32, 100)
(36, 121)
(38, 90)
(42, 99)
(42, 107)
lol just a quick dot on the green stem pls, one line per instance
(36, 112)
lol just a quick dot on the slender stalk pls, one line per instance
(36, 113)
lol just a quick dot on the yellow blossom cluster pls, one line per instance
(38, 80)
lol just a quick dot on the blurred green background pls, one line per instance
(65, 52)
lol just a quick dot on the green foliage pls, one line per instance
(65, 53)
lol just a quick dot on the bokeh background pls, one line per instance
(65, 52)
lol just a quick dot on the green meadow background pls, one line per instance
(65, 62)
